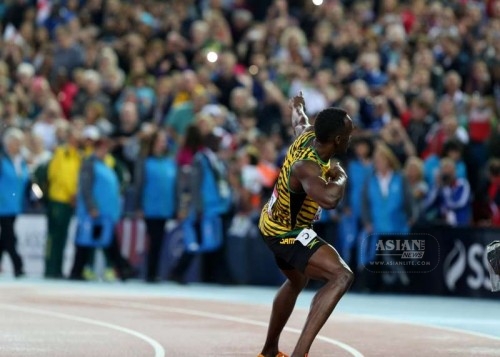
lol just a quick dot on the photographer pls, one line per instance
(450, 197)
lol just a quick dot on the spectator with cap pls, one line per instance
(98, 200)
(90, 137)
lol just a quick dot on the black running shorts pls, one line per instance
(290, 253)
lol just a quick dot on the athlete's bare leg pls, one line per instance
(326, 265)
(283, 305)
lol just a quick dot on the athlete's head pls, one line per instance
(333, 127)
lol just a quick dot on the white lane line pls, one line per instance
(395, 320)
(354, 352)
(158, 349)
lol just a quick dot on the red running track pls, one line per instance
(36, 321)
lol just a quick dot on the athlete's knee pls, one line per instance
(346, 278)
(341, 276)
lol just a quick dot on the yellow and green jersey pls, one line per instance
(62, 174)
(288, 212)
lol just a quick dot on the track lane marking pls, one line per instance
(354, 352)
(96, 294)
(159, 351)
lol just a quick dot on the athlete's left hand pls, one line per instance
(336, 172)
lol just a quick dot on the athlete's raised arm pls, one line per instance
(300, 121)
(327, 193)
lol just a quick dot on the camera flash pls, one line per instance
(212, 57)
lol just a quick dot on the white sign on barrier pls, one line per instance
(31, 231)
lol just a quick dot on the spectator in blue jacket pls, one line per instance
(98, 197)
(450, 196)
(208, 197)
(155, 180)
(14, 179)
(387, 199)
(388, 209)
(358, 170)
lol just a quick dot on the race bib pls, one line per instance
(305, 236)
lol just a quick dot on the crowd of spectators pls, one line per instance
(420, 78)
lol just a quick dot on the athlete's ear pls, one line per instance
(338, 140)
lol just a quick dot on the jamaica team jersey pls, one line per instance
(287, 212)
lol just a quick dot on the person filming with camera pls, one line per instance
(450, 196)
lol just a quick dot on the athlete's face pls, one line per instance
(343, 140)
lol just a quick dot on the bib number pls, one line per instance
(305, 236)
